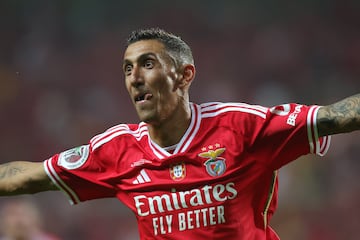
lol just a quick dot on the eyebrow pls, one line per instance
(140, 58)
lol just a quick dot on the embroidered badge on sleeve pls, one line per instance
(74, 158)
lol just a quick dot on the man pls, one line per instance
(186, 170)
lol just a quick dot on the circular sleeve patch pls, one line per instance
(74, 158)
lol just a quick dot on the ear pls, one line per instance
(186, 76)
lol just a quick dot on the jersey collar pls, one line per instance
(186, 139)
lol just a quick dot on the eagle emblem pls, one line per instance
(215, 165)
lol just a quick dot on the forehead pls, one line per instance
(137, 49)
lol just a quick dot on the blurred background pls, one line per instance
(61, 83)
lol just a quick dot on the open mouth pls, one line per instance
(143, 97)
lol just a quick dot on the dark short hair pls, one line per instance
(177, 48)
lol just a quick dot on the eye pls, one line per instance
(127, 69)
(149, 64)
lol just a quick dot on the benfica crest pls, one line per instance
(215, 165)
(178, 172)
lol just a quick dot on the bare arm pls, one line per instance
(340, 117)
(24, 178)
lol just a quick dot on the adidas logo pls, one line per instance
(142, 178)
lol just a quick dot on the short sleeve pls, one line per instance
(80, 173)
(288, 132)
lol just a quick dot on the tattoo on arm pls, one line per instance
(340, 117)
(21, 177)
(10, 170)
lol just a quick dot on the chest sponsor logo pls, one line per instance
(215, 165)
(74, 158)
(178, 172)
(186, 210)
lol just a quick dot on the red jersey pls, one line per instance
(218, 182)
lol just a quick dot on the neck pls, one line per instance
(171, 130)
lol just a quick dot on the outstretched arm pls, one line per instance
(340, 117)
(23, 178)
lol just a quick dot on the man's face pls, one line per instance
(150, 78)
